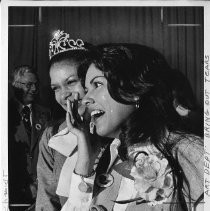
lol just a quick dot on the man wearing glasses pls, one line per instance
(26, 122)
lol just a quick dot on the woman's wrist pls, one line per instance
(86, 160)
(90, 174)
(83, 168)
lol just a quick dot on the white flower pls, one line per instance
(152, 174)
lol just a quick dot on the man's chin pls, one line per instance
(30, 99)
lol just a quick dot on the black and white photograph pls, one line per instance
(105, 105)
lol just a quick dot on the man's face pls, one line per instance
(26, 88)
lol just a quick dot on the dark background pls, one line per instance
(177, 32)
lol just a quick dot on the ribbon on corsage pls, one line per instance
(152, 174)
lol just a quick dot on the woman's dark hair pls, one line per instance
(138, 72)
(183, 96)
(182, 90)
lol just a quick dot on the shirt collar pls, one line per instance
(20, 106)
(64, 142)
(28, 105)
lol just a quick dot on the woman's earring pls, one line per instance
(137, 104)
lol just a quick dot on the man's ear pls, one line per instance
(182, 111)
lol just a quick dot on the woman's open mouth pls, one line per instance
(96, 114)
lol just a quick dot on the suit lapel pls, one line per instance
(107, 196)
(38, 124)
(15, 122)
(21, 134)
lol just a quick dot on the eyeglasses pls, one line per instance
(29, 85)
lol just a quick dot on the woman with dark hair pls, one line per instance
(58, 146)
(153, 163)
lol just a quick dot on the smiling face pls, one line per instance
(26, 88)
(107, 114)
(65, 82)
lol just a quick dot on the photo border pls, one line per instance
(4, 77)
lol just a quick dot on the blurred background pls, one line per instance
(177, 32)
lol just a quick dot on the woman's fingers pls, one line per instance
(68, 121)
(69, 109)
(69, 116)
(70, 125)
(75, 110)
(76, 116)
(73, 119)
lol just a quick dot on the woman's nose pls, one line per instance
(87, 100)
(65, 94)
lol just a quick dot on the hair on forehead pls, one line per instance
(67, 61)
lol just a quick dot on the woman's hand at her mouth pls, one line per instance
(80, 128)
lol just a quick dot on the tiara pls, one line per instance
(61, 43)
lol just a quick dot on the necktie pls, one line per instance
(26, 119)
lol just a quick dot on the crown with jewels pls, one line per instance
(61, 43)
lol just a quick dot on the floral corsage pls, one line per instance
(152, 174)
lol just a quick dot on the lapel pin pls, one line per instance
(38, 126)
(104, 180)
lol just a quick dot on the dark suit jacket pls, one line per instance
(23, 150)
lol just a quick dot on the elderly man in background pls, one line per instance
(26, 122)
